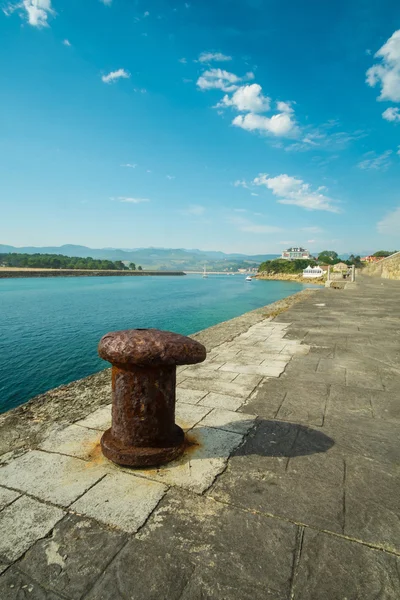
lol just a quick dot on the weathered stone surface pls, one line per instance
(208, 375)
(256, 477)
(188, 415)
(73, 557)
(229, 421)
(121, 500)
(197, 468)
(7, 496)
(99, 419)
(189, 396)
(337, 569)
(24, 522)
(73, 441)
(220, 552)
(51, 477)
(263, 371)
(15, 585)
(371, 438)
(223, 401)
(348, 400)
(220, 387)
(372, 503)
(144, 572)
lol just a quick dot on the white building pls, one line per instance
(311, 272)
(295, 253)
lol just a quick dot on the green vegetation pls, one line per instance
(58, 261)
(384, 253)
(282, 265)
(354, 260)
(328, 257)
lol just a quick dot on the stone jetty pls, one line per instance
(288, 489)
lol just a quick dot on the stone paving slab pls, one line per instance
(15, 585)
(221, 401)
(228, 421)
(338, 569)
(71, 560)
(7, 496)
(50, 477)
(121, 500)
(24, 522)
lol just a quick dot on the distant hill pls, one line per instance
(152, 258)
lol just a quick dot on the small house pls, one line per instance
(313, 272)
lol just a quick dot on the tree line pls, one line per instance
(326, 257)
(59, 261)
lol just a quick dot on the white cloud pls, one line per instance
(240, 183)
(390, 224)
(378, 162)
(36, 11)
(219, 79)
(280, 124)
(242, 210)
(130, 165)
(387, 72)
(247, 98)
(115, 75)
(391, 114)
(206, 57)
(170, 177)
(106, 2)
(130, 200)
(66, 43)
(254, 194)
(247, 226)
(183, 61)
(312, 229)
(294, 191)
(195, 209)
(284, 106)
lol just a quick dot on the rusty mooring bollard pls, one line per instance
(143, 431)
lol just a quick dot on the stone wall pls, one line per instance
(388, 268)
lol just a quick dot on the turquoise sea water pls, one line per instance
(50, 328)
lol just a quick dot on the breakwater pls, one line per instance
(18, 273)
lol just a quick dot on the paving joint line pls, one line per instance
(296, 560)
(371, 545)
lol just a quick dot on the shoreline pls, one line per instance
(30, 422)
(291, 277)
(19, 273)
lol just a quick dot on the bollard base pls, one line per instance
(134, 456)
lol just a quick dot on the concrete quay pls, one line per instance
(288, 491)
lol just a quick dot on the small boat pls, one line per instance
(248, 278)
(205, 273)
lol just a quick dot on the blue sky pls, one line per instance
(242, 126)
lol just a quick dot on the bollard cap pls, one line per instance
(150, 348)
